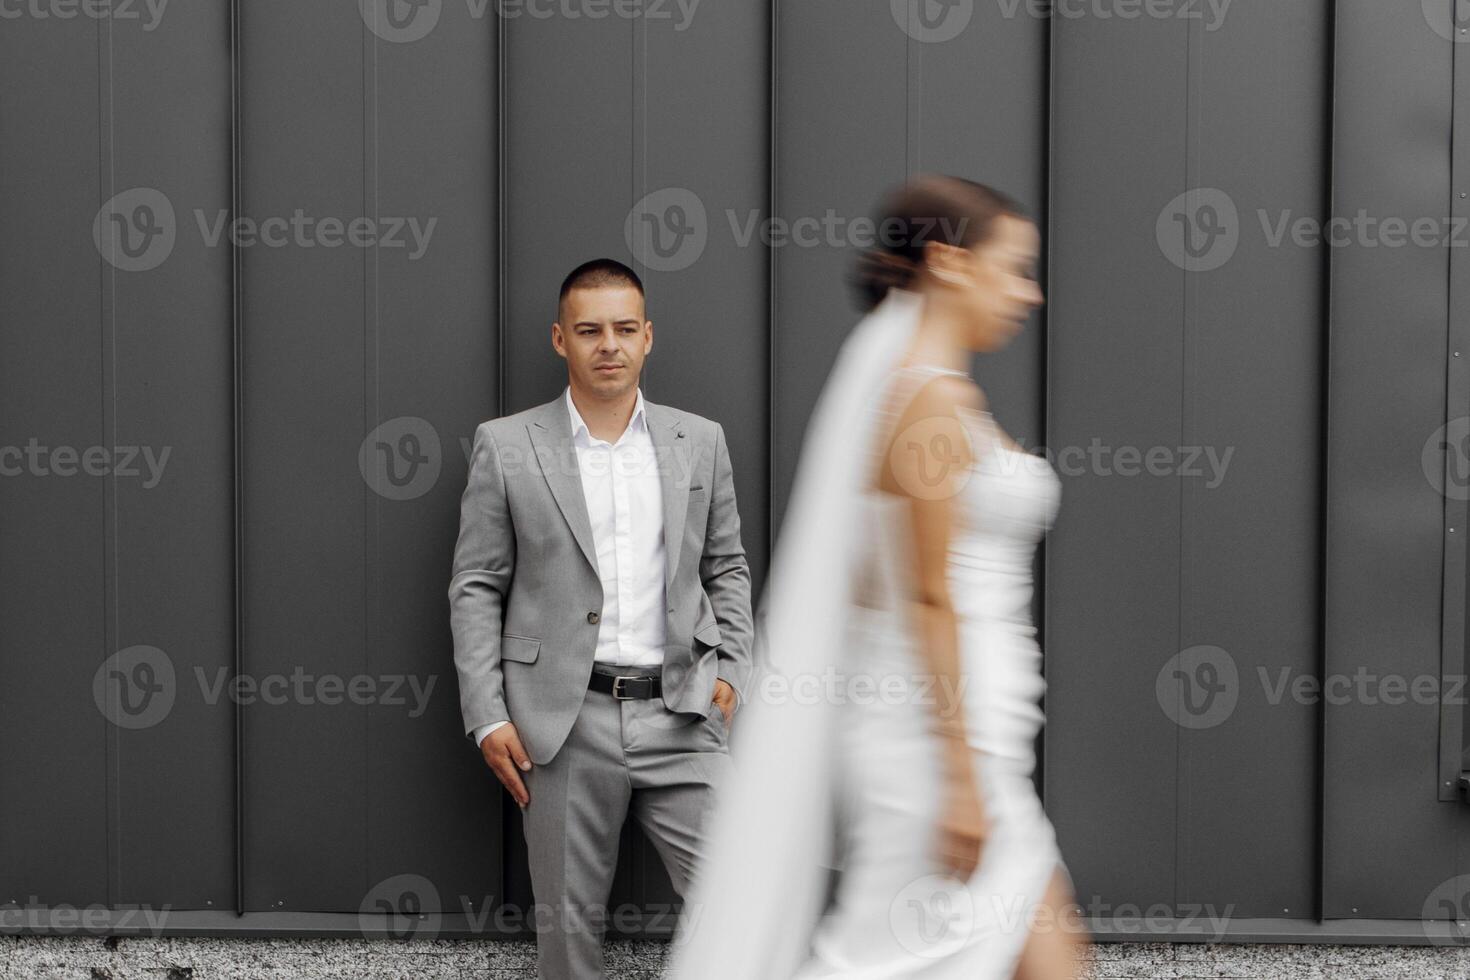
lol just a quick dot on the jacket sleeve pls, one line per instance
(484, 563)
(726, 575)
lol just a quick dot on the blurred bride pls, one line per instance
(904, 572)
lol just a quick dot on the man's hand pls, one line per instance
(724, 700)
(507, 758)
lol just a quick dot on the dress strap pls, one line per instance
(933, 369)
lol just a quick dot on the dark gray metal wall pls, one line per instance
(337, 342)
(91, 356)
(1395, 594)
(284, 380)
(1142, 354)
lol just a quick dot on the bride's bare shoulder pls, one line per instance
(946, 394)
(929, 434)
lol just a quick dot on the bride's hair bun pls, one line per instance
(879, 270)
(929, 208)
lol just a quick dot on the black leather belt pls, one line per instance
(626, 686)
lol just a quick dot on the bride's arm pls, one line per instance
(928, 462)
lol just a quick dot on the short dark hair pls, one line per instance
(596, 274)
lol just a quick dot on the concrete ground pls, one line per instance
(100, 958)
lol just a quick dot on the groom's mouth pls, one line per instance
(608, 368)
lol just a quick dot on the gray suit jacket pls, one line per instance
(525, 597)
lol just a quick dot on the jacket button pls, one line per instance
(593, 617)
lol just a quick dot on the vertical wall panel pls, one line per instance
(305, 805)
(354, 349)
(173, 552)
(1217, 352)
(52, 598)
(1116, 356)
(435, 336)
(842, 139)
(126, 541)
(1254, 341)
(1389, 841)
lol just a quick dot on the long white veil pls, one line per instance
(761, 885)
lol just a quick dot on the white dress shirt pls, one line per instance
(620, 483)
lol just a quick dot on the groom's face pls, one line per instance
(604, 338)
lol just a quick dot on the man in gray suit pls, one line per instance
(600, 606)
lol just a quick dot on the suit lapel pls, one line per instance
(551, 434)
(671, 449)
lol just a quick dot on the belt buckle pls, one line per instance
(618, 688)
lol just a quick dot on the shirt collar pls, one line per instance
(579, 427)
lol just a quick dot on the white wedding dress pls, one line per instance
(758, 907)
(894, 913)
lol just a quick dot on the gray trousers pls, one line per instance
(621, 755)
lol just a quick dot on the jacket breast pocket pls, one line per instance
(521, 649)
